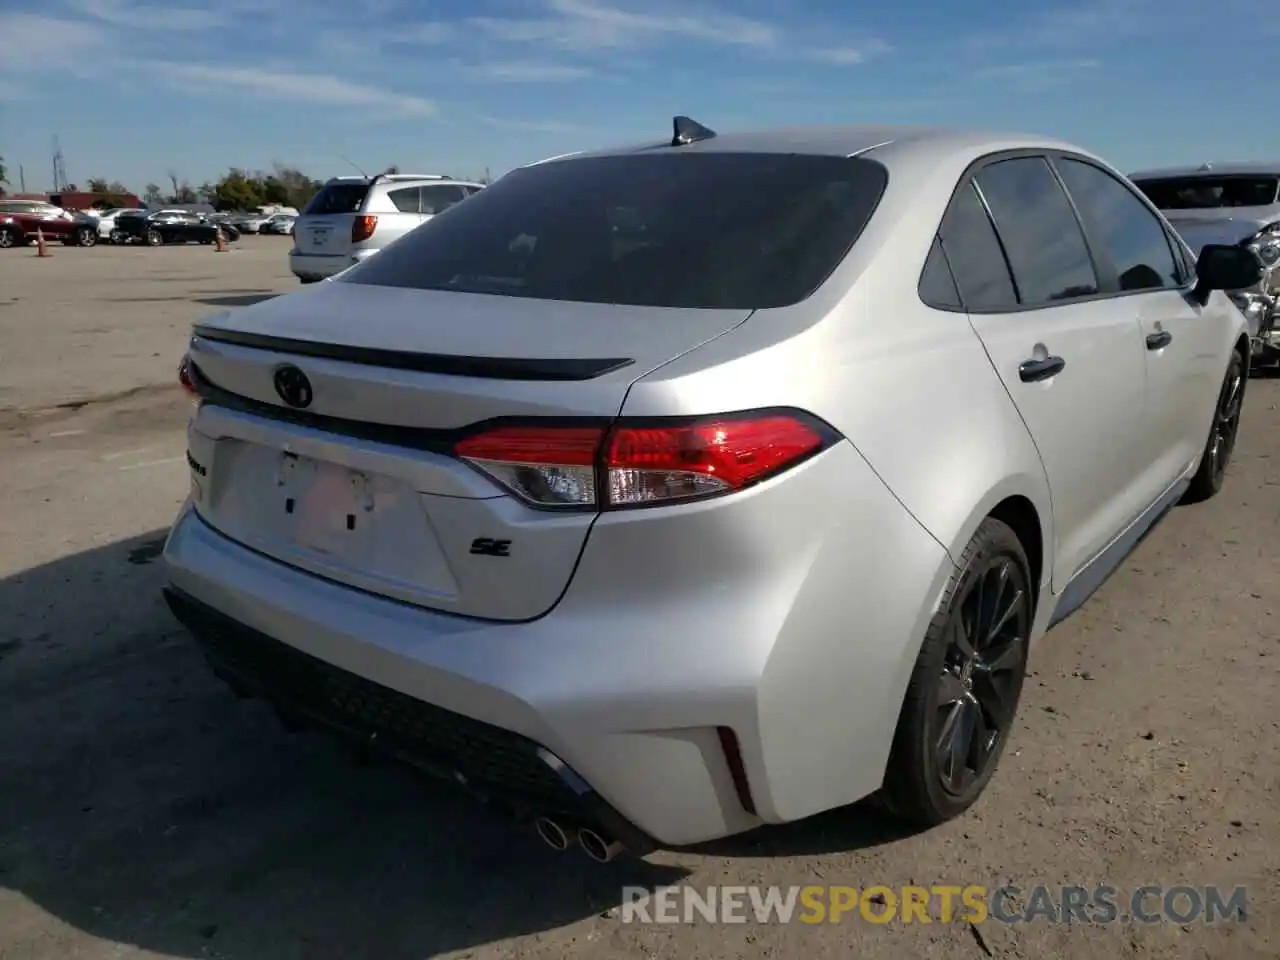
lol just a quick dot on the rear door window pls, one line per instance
(975, 255)
(937, 284)
(711, 230)
(336, 198)
(1041, 236)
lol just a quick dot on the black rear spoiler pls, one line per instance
(452, 365)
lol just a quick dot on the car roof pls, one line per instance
(878, 141)
(1229, 169)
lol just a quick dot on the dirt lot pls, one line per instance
(97, 322)
(144, 812)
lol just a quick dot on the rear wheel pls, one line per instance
(154, 239)
(7, 238)
(87, 236)
(1218, 448)
(967, 681)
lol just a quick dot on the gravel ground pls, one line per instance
(145, 812)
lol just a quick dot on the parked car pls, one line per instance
(249, 222)
(670, 490)
(279, 224)
(21, 221)
(106, 220)
(1233, 203)
(168, 227)
(352, 218)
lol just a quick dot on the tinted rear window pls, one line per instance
(1207, 193)
(694, 230)
(337, 198)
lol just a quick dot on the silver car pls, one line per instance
(680, 488)
(1233, 203)
(352, 218)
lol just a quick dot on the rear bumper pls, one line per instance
(321, 266)
(799, 641)
(492, 763)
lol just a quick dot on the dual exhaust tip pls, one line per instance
(560, 838)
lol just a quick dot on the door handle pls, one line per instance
(1032, 371)
(1157, 341)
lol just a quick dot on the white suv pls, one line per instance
(352, 218)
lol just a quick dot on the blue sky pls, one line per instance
(137, 89)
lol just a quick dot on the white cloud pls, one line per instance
(849, 55)
(297, 87)
(519, 71)
(29, 31)
(589, 25)
(121, 13)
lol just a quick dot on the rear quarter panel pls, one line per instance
(916, 395)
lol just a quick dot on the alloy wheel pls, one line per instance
(1226, 423)
(982, 674)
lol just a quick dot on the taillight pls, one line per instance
(639, 463)
(184, 376)
(362, 228)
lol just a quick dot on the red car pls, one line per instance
(20, 220)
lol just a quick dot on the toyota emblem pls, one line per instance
(293, 386)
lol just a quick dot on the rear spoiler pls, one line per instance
(453, 365)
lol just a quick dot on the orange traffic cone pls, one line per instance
(41, 249)
(219, 245)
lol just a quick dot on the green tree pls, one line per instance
(152, 197)
(237, 191)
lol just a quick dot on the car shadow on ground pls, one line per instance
(860, 827)
(145, 805)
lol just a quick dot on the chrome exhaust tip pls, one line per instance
(555, 836)
(597, 847)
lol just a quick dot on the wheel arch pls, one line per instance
(1024, 504)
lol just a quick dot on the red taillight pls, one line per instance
(362, 228)
(184, 376)
(634, 464)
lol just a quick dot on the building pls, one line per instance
(80, 200)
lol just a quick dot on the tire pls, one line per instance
(87, 237)
(309, 279)
(7, 238)
(1221, 442)
(946, 698)
(153, 238)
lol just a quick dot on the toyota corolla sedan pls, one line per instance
(666, 491)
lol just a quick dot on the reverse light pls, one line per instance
(362, 228)
(644, 463)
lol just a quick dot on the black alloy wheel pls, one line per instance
(1223, 432)
(982, 675)
(963, 696)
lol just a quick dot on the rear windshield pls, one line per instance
(1207, 193)
(694, 230)
(336, 198)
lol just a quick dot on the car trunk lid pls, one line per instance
(359, 484)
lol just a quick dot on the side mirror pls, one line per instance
(1223, 267)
